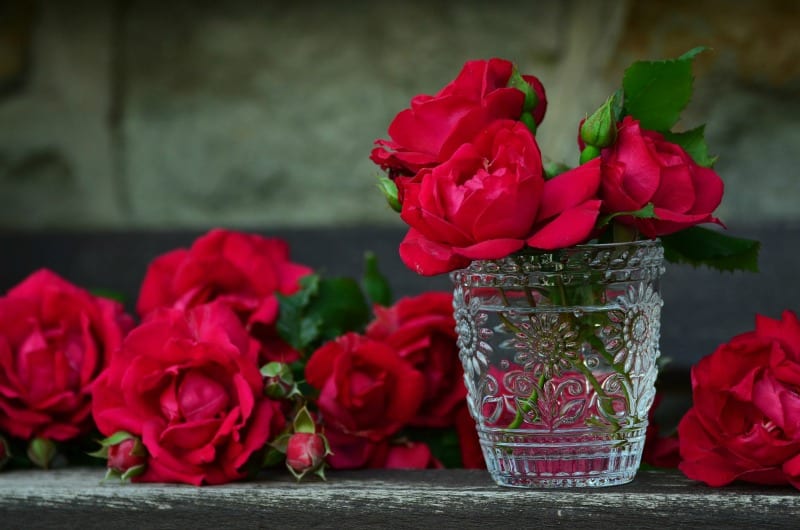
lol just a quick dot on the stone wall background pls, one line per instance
(146, 114)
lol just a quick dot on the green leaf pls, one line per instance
(657, 91)
(701, 246)
(292, 325)
(694, 143)
(375, 284)
(339, 307)
(647, 212)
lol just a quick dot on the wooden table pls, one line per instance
(77, 498)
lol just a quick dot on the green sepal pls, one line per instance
(646, 212)
(589, 152)
(694, 143)
(134, 471)
(657, 91)
(529, 121)
(389, 189)
(517, 81)
(303, 422)
(374, 282)
(701, 246)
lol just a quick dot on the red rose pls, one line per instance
(367, 393)
(489, 198)
(421, 330)
(408, 455)
(55, 339)
(480, 204)
(188, 384)
(243, 271)
(434, 127)
(745, 420)
(642, 167)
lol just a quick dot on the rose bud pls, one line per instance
(305, 453)
(279, 381)
(41, 452)
(5, 452)
(127, 458)
(600, 129)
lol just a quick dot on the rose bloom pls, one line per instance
(188, 384)
(367, 393)
(243, 271)
(421, 330)
(745, 420)
(430, 131)
(490, 199)
(55, 339)
(642, 167)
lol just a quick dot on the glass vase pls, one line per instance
(559, 352)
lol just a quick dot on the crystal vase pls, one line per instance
(559, 352)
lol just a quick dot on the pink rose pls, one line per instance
(246, 272)
(429, 132)
(642, 167)
(745, 420)
(55, 340)
(421, 330)
(187, 383)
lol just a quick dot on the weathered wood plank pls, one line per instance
(77, 498)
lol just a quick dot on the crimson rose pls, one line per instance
(188, 384)
(367, 393)
(434, 127)
(490, 199)
(243, 271)
(745, 421)
(642, 167)
(55, 339)
(421, 330)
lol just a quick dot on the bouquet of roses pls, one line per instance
(243, 360)
(466, 174)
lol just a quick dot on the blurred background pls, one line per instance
(152, 114)
(129, 127)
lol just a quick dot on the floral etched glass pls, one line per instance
(559, 352)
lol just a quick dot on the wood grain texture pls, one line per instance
(77, 498)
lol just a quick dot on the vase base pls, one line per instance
(558, 460)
